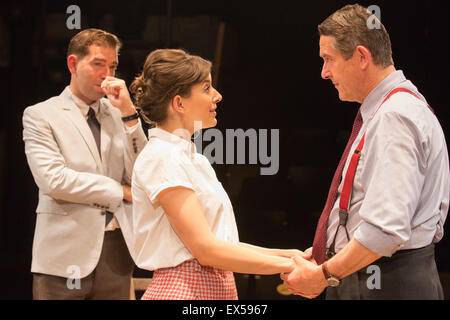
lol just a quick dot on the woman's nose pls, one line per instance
(217, 98)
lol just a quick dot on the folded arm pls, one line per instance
(135, 139)
(54, 178)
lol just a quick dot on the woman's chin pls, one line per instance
(210, 124)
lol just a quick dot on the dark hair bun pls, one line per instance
(166, 73)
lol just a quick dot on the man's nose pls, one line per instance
(110, 72)
(107, 72)
(325, 73)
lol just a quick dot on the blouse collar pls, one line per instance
(187, 146)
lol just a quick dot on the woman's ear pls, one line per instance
(177, 104)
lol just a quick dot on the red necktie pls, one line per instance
(320, 238)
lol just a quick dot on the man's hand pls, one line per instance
(117, 93)
(307, 254)
(306, 280)
(127, 193)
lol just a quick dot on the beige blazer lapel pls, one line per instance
(75, 116)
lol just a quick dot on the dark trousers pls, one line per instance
(408, 274)
(110, 279)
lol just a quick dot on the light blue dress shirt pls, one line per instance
(400, 195)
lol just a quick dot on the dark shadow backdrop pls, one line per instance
(269, 78)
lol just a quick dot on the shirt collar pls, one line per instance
(376, 96)
(187, 146)
(84, 108)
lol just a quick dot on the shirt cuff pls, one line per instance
(130, 130)
(373, 238)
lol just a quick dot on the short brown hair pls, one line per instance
(349, 28)
(79, 44)
(166, 73)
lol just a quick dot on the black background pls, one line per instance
(269, 79)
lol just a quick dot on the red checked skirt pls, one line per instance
(191, 281)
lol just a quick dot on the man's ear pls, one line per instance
(364, 56)
(177, 104)
(72, 61)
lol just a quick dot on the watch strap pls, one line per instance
(326, 272)
(130, 117)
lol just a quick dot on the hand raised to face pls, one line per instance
(117, 93)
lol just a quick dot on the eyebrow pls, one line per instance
(103, 60)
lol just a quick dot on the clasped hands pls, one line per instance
(307, 279)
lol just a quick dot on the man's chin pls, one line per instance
(98, 95)
(344, 98)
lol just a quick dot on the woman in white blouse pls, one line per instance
(183, 221)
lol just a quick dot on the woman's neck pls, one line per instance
(177, 128)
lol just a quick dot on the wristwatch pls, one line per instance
(332, 281)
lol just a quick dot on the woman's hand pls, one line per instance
(290, 253)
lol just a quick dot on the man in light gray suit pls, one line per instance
(81, 148)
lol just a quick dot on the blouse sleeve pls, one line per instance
(158, 172)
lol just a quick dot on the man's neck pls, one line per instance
(79, 95)
(375, 78)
